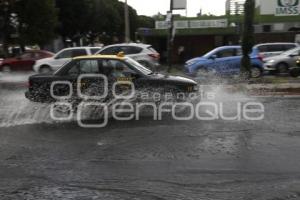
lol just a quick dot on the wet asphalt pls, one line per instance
(147, 159)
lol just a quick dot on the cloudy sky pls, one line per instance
(152, 7)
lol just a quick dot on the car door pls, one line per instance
(77, 69)
(24, 62)
(65, 56)
(224, 61)
(61, 58)
(121, 74)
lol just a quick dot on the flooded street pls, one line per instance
(147, 159)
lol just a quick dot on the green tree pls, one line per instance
(6, 27)
(248, 38)
(107, 21)
(37, 21)
(145, 22)
(73, 18)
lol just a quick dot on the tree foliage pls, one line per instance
(37, 21)
(145, 22)
(93, 19)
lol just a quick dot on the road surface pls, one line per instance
(146, 159)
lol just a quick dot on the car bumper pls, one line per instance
(269, 67)
(37, 97)
(29, 96)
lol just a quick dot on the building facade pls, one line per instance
(275, 21)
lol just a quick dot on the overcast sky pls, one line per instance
(152, 7)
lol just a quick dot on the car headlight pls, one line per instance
(271, 61)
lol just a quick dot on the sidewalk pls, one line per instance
(264, 86)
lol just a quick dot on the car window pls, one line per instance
(262, 48)
(78, 52)
(85, 67)
(38, 55)
(128, 50)
(110, 51)
(94, 50)
(116, 68)
(277, 47)
(226, 53)
(64, 54)
(239, 52)
(288, 47)
(27, 56)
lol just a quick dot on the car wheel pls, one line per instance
(295, 72)
(256, 72)
(282, 68)
(45, 69)
(6, 69)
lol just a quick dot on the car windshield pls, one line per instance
(139, 67)
(209, 54)
(289, 52)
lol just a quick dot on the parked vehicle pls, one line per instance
(116, 68)
(274, 49)
(55, 62)
(283, 62)
(222, 61)
(25, 61)
(143, 53)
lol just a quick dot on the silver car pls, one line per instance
(283, 62)
(274, 49)
(143, 53)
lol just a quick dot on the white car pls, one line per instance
(145, 54)
(58, 60)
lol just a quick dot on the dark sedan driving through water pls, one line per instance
(99, 74)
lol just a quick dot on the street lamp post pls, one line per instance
(127, 23)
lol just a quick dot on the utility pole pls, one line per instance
(170, 36)
(127, 23)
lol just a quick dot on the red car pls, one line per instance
(24, 62)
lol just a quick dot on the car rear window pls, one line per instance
(128, 50)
